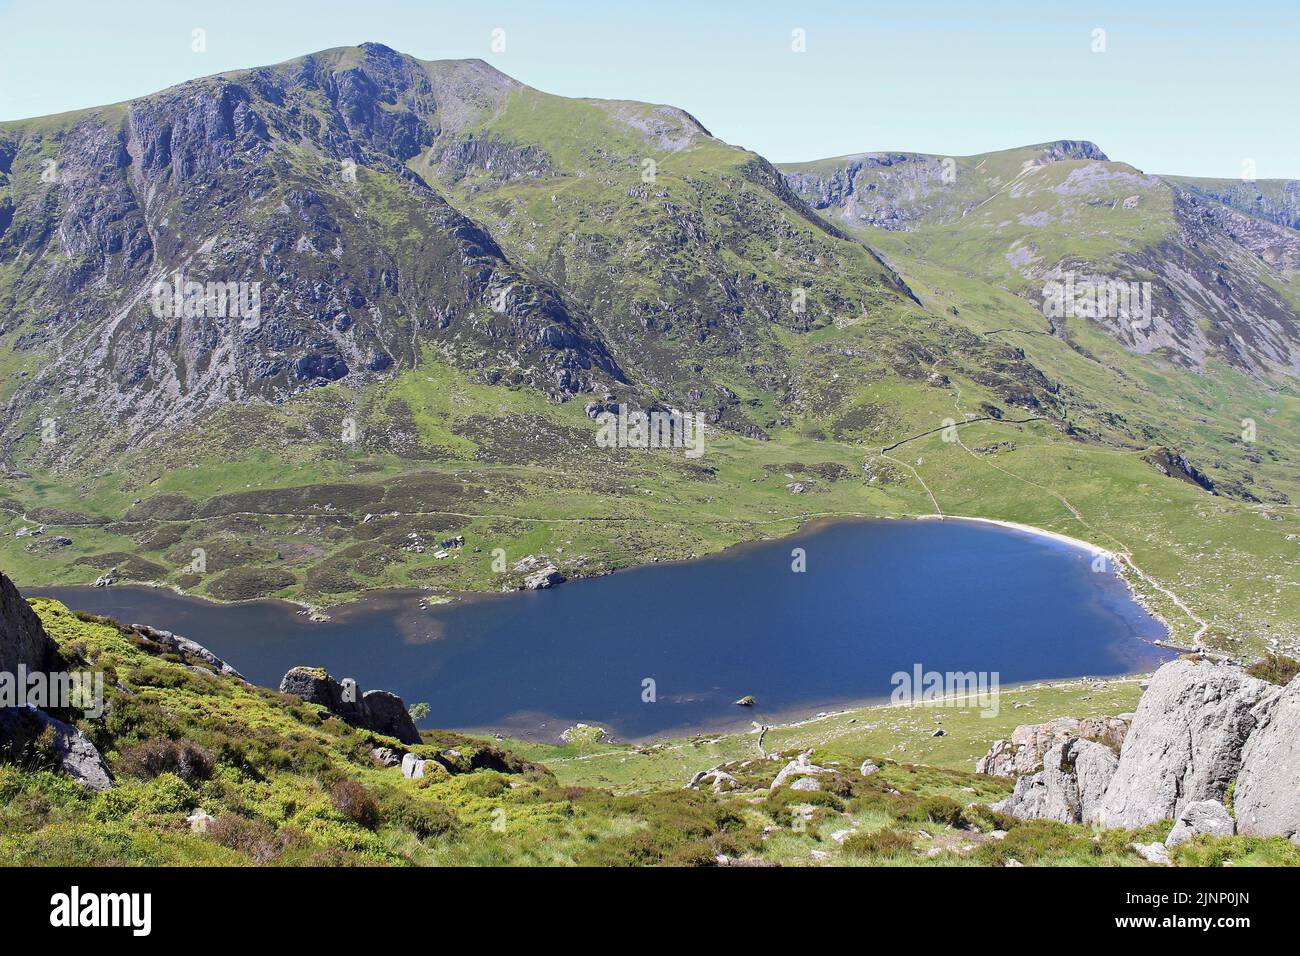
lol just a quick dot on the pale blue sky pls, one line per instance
(1183, 87)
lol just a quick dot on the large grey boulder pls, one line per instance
(316, 686)
(23, 640)
(1074, 776)
(21, 730)
(1201, 816)
(1267, 797)
(376, 710)
(386, 714)
(417, 768)
(1185, 743)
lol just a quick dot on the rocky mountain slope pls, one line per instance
(1221, 258)
(321, 182)
(291, 179)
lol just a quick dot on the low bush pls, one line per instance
(354, 801)
(1275, 668)
(255, 839)
(879, 843)
(944, 811)
(159, 755)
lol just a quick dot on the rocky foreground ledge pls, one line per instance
(1210, 747)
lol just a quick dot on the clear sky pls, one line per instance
(1188, 87)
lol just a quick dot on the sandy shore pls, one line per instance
(1095, 549)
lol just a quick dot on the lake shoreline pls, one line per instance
(802, 716)
(864, 566)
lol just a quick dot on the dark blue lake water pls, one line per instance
(877, 597)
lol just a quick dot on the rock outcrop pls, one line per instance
(23, 736)
(547, 577)
(800, 766)
(1068, 788)
(1201, 726)
(375, 710)
(1024, 751)
(1267, 796)
(1185, 743)
(716, 777)
(187, 648)
(1201, 817)
(22, 636)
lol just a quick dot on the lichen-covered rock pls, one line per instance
(1267, 796)
(1201, 816)
(1185, 743)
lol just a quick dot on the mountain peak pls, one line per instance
(1062, 149)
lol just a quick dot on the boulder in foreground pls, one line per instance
(1185, 743)
(23, 640)
(1267, 796)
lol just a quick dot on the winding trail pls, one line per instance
(1122, 555)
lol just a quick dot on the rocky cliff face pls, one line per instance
(1272, 200)
(23, 641)
(900, 191)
